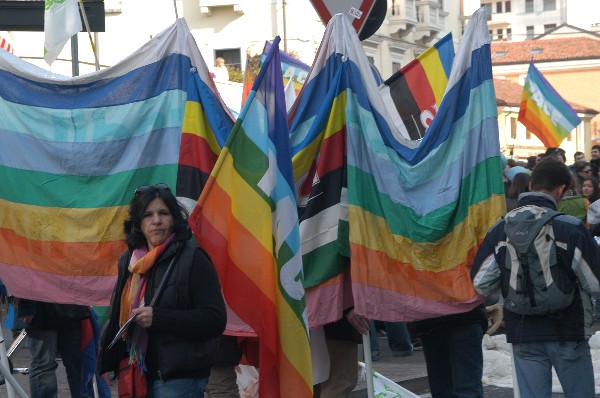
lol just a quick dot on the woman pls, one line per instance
(573, 202)
(591, 189)
(175, 340)
(519, 184)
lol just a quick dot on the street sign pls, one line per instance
(356, 11)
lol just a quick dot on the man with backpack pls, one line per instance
(545, 264)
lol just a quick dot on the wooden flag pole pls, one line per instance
(87, 28)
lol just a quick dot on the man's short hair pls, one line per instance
(550, 173)
(577, 154)
(596, 147)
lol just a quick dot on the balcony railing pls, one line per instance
(207, 6)
(431, 20)
(402, 17)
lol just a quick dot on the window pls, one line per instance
(232, 56)
(499, 34)
(549, 5)
(499, 7)
(509, 33)
(528, 6)
(513, 128)
(549, 27)
(507, 6)
(529, 32)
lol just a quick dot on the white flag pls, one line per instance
(61, 21)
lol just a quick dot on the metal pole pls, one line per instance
(74, 55)
(87, 28)
(175, 6)
(368, 365)
(4, 369)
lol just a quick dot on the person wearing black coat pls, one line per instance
(174, 339)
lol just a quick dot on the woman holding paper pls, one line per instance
(168, 289)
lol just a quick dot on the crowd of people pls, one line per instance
(168, 289)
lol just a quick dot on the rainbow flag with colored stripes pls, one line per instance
(414, 93)
(246, 220)
(74, 150)
(409, 214)
(418, 213)
(544, 112)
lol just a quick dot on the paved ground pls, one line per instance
(410, 372)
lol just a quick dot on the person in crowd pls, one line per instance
(574, 203)
(582, 170)
(398, 339)
(342, 339)
(531, 162)
(539, 157)
(519, 184)
(220, 72)
(175, 340)
(222, 382)
(558, 340)
(590, 189)
(595, 162)
(53, 328)
(556, 152)
(453, 354)
(578, 156)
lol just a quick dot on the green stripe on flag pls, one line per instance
(51, 190)
(403, 221)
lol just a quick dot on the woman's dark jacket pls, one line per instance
(187, 319)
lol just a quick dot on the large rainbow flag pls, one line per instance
(418, 214)
(74, 150)
(246, 219)
(414, 93)
(409, 214)
(319, 149)
(544, 112)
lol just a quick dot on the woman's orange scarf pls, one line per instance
(132, 297)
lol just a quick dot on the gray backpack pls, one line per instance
(534, 281)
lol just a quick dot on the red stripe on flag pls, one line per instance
(241, 293)
(195, 152)
(417, 81)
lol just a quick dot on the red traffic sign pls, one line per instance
(356, 11)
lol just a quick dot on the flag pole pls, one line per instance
(87, 28)
(175, 6)
(368, 365)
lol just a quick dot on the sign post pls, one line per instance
(356, 11)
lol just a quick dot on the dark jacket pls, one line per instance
(187, 319)
(577, 250)
(51, 316)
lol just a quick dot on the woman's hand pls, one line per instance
(143, 316)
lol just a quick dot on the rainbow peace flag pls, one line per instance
(544, 112)
(75, 149)
(414, 93)
(409, 214)
(419, 210)
(246, 220)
